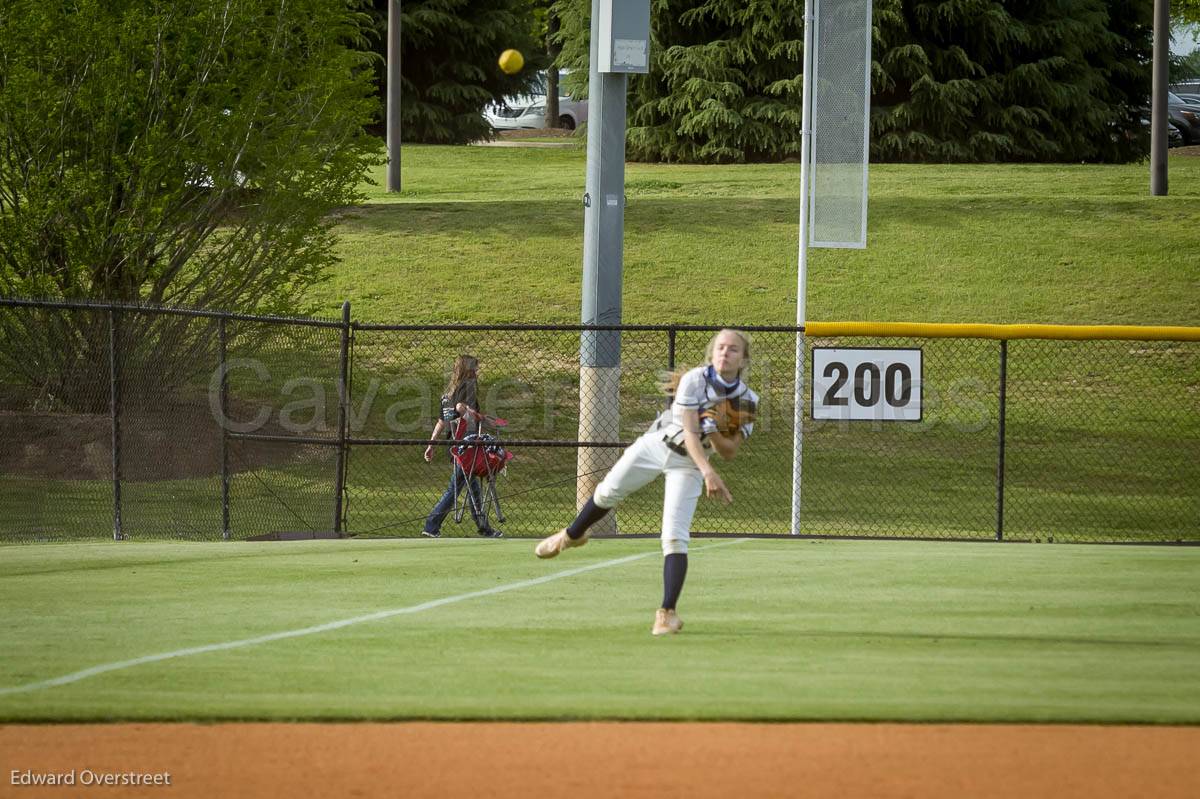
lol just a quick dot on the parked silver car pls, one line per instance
(529, 110)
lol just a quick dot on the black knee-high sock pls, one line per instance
(588, 515)
(674, 573)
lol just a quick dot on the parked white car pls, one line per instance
(529, 110)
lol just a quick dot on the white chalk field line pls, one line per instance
(119, 665)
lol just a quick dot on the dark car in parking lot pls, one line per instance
(1174, 135)
(1185, 117)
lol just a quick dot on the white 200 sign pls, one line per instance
(862, 384)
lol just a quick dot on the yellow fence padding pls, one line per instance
(1063, 332)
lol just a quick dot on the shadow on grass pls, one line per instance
(1003, 640)
(736, 215)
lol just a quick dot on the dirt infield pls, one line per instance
(583, 760)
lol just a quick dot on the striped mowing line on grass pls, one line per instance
(104, 668)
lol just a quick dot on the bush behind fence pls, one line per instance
(164, 423)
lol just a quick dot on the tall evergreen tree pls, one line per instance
(953, 80)
(448, 60)
(1030, 80)
(724, 82)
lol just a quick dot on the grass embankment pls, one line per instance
(495, 235)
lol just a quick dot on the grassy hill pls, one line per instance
(495, 234)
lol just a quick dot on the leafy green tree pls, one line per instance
(1187, 11)
(185, 152)
(1185, 29)
(448, 59)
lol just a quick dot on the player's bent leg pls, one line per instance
(574, 534)
(589, 514)
(637, 466)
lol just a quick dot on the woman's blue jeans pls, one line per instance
(458, 481)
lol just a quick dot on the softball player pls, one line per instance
(713, 410)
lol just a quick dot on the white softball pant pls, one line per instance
(644, 460)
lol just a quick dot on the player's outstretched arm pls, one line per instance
(713, 484)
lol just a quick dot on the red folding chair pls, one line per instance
(482, 459)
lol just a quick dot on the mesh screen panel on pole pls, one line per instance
(841, 107)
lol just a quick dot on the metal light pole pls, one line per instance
(393, 97)
(1158, 99)
(620, 44)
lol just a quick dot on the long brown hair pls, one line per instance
(462, 386)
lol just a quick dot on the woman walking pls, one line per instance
(459, 408)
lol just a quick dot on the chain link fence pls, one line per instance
(167, 423)
(1103, 440)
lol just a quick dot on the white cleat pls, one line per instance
(550, 547)
(666, 622)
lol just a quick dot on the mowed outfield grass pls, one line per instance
(774, 630)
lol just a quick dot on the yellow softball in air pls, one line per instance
(511, 61)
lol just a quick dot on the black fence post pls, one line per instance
(349, 439)
(1000, 459)
(114, 405)
(221, 341)
(343, 403)
(670, 364)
